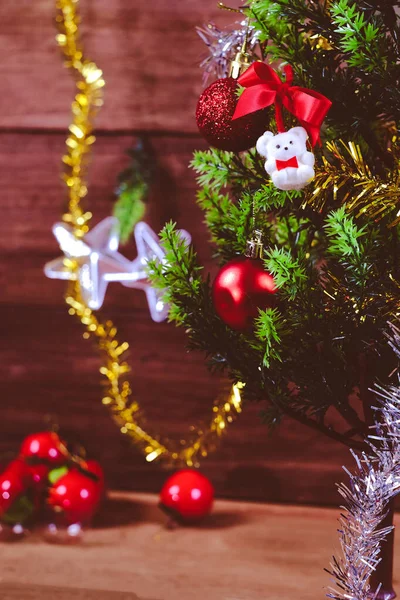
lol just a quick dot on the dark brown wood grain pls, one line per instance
(149, 53)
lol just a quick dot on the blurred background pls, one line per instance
(150, 57)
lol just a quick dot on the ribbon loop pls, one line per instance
(289, 74)
(265, 88)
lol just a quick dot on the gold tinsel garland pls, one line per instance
(347, 179)
(127, 413)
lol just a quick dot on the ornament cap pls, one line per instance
(239, 64)
(254, 247)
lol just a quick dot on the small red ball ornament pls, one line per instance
(241, 287)
(45, 446)
(187, 496)
(75, 496)
(95, 467)
(214, 114)
(14, 482)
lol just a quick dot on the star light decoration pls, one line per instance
(223, 46)
(99, 262)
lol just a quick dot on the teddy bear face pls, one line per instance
(284, 146)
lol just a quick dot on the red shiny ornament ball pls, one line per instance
(75, 497)
(14, 482)
(241, 287)
(45, 446)
(214, 114)
(187, 496)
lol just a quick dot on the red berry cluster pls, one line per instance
(46, 479)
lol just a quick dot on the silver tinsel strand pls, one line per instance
(223, 46)
(375, 481)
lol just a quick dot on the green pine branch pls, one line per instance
(133, 189)
(189, 295)
(218, 169)
(288, 273)
(214, 168)
(344, 243)
(268, 329)
(362, 41)
(344, 236)
(229, 223)
(130, 207)
(178, 276)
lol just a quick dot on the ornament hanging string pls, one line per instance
(126, 412)
(264, 88)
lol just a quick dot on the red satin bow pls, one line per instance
(264, 88)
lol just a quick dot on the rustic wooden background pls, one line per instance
(149, 55)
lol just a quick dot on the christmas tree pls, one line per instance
(310, 337)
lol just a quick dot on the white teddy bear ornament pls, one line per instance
(289, 163)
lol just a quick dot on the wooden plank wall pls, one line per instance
(149, 54)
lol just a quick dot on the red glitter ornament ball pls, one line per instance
(242, 287)
(214, 114)
(75, 496)
(187, 496)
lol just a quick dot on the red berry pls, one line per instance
(95, 467)
(14, 482)
(39, 475)
(188, 495)
(46, 446)
(76, 496)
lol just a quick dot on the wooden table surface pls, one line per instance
(245, 551)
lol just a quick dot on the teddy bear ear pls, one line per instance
(300, 132)
(262, 142)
